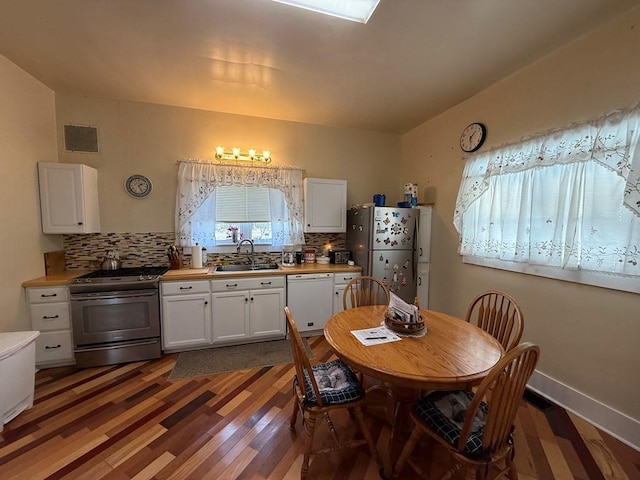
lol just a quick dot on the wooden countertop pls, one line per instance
(207, 273)
(199, 273)
(54, 280)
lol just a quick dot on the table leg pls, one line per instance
(401, 399)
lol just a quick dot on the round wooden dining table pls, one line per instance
(452, 355)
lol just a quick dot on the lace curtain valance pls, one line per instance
(611, 140)
(197, 179)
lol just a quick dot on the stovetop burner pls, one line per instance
(127, 272)
(117, 280)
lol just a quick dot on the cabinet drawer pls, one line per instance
(54, 347)
(176, 288)
(344, 278)
(44, 295)
(50, 316)
(273, 281)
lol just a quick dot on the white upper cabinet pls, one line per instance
(325, 205)
(424, 234)
(68, 198)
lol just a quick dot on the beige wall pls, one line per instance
(149, 139)
(589, 336)
(27, 136)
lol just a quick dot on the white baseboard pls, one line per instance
(617, 424)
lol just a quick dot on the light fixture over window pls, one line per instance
(354, 10)
(250, 155)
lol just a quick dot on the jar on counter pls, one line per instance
(309, 255)
(288, 255)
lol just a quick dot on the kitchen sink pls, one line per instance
(245, 268)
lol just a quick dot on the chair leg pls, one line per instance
(406, 451)
(357, 413)
(332, 429)
(471, 473)
(310, 429)
(294, 414)
(512, 472)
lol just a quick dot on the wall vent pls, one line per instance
(80, 139)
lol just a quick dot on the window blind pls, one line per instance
(236, 204)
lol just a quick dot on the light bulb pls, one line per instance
(236, 152)
(252, 153)
(219, 151)
(266, 154)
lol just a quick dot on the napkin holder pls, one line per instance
(394, 322)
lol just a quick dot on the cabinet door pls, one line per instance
(423, 285)
(424, 234)
(325, 205)
(230, 316)
(68, 198)
(186, 321)
(267, 313)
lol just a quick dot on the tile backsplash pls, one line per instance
(150, 249)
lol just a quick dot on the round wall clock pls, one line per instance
(472, 137)
(138, 186)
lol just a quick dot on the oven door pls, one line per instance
(108, 317)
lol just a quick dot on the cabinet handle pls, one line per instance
(252, 299)
(265, 283)
(419, 281)
(246, 299)
(47, 347)
(421, 252)
(206, 303)
(50, 317)
(45, 295)
(79, 223)
(186, 288)
(232, 285)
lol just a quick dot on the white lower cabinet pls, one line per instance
(423, 285)
(231, 316)
(186, 315)
(248, 309)
(50, 314)
(340, 281)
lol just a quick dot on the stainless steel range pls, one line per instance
(116, 316)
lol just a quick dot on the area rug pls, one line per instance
(237, 357)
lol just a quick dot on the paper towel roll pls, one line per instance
(196, 256)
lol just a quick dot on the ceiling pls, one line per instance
(412, 61)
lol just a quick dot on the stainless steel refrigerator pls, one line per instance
(382, 240)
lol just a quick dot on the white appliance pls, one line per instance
(382, 241)
(17, 369)
(310, 299)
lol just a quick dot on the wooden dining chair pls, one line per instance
(319, 389)
(499, 315)
(364, 290)
(477, 427)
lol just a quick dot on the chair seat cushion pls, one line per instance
(444, 413)
(336, 382)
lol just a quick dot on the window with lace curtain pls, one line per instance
(564, 204)
(217, 204)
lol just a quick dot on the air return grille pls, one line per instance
(79, 138)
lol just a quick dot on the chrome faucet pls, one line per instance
(252, 254)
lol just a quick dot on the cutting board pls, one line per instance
(54, 262)
(184, 272)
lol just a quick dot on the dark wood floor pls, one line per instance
(130, 422)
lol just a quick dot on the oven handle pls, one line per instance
(117, 345)
(114, 295)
